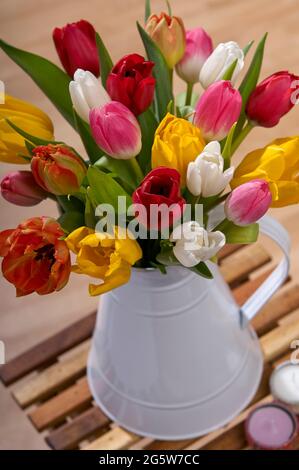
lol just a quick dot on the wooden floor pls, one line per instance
(28, 25)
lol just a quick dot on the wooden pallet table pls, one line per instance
(49, 382)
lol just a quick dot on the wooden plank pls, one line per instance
(228, 250)
(56, 409)
(278, 341)
(71, 434)
(52, 378)
(237, 266)
(116, 439)
(290, 318)
(48, 350)
(281, 304)
(244, 291)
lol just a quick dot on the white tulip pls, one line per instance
(86, 93)
(219, 62)
(205, 176)
(194, 244)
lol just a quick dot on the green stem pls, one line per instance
(171, 77)
(136, 169)
(243, 134)
(189, 94)
(222, 226)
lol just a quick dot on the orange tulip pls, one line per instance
(35, 259)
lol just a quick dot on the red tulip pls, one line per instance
(35, 259)
(76, 46)
(159, 190)
(273, 98)
(20, 188)
(57, 169)
(131, 82)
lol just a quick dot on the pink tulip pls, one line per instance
(116, 130)
(20, 188)
(217, 110)
(198, 48)
(248, 203)
(273, 98)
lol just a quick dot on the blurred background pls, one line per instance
(28, 25)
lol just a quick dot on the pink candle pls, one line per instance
(271, 426)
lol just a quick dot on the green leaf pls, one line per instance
(226, 152)
(169, 10)
(159, 266)
(148, 125)
(247, 48)
(230, 71)
(83, 129)
(250, 81)
(166, 257)
(31, 138)
(160, 72)
(71, 220)
(119, 168)
(106, 63)
(147, 10)
(29, 146)
(203, 270)
(236, 234)
(50, 78)
(89, 215)
(70, 204)
(105, 189)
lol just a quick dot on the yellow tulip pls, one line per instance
(177, 143)
(104, 257)
(277, 163)
(28, 118)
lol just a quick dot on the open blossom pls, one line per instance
(160, 189)
(131, 82)
(272, 98)
(217, 64)
(35, 259)
(104, 257)
(206, 175)
(86, 93)
(168, 33)
(57, 169)
(247, 203)
(194, 244)
(198, 48)
(76, 46)
(20, 188)
(116, 130)
(217, 110)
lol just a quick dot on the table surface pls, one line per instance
(28, 25)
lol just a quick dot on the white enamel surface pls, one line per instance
(169, 359)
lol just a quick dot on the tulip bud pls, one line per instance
(87, 93)
(76, 46)
(248, 203)
(205, 176)
(217, 110)
(272, 99)
(57, 169)
(198, 48)
(20, 188)
(116, 130)
(168, 32)
(219, 62)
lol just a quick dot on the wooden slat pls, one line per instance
(116, 439)
(228, 250)
(237, 266)
(52, 378)
(243, 292)
(48, 350)
(278, 341)
(280, 305)
(56, 409)
(71, 434)
(290, 318)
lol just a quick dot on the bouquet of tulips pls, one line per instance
(158, 166)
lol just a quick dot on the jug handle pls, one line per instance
(274, 230)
